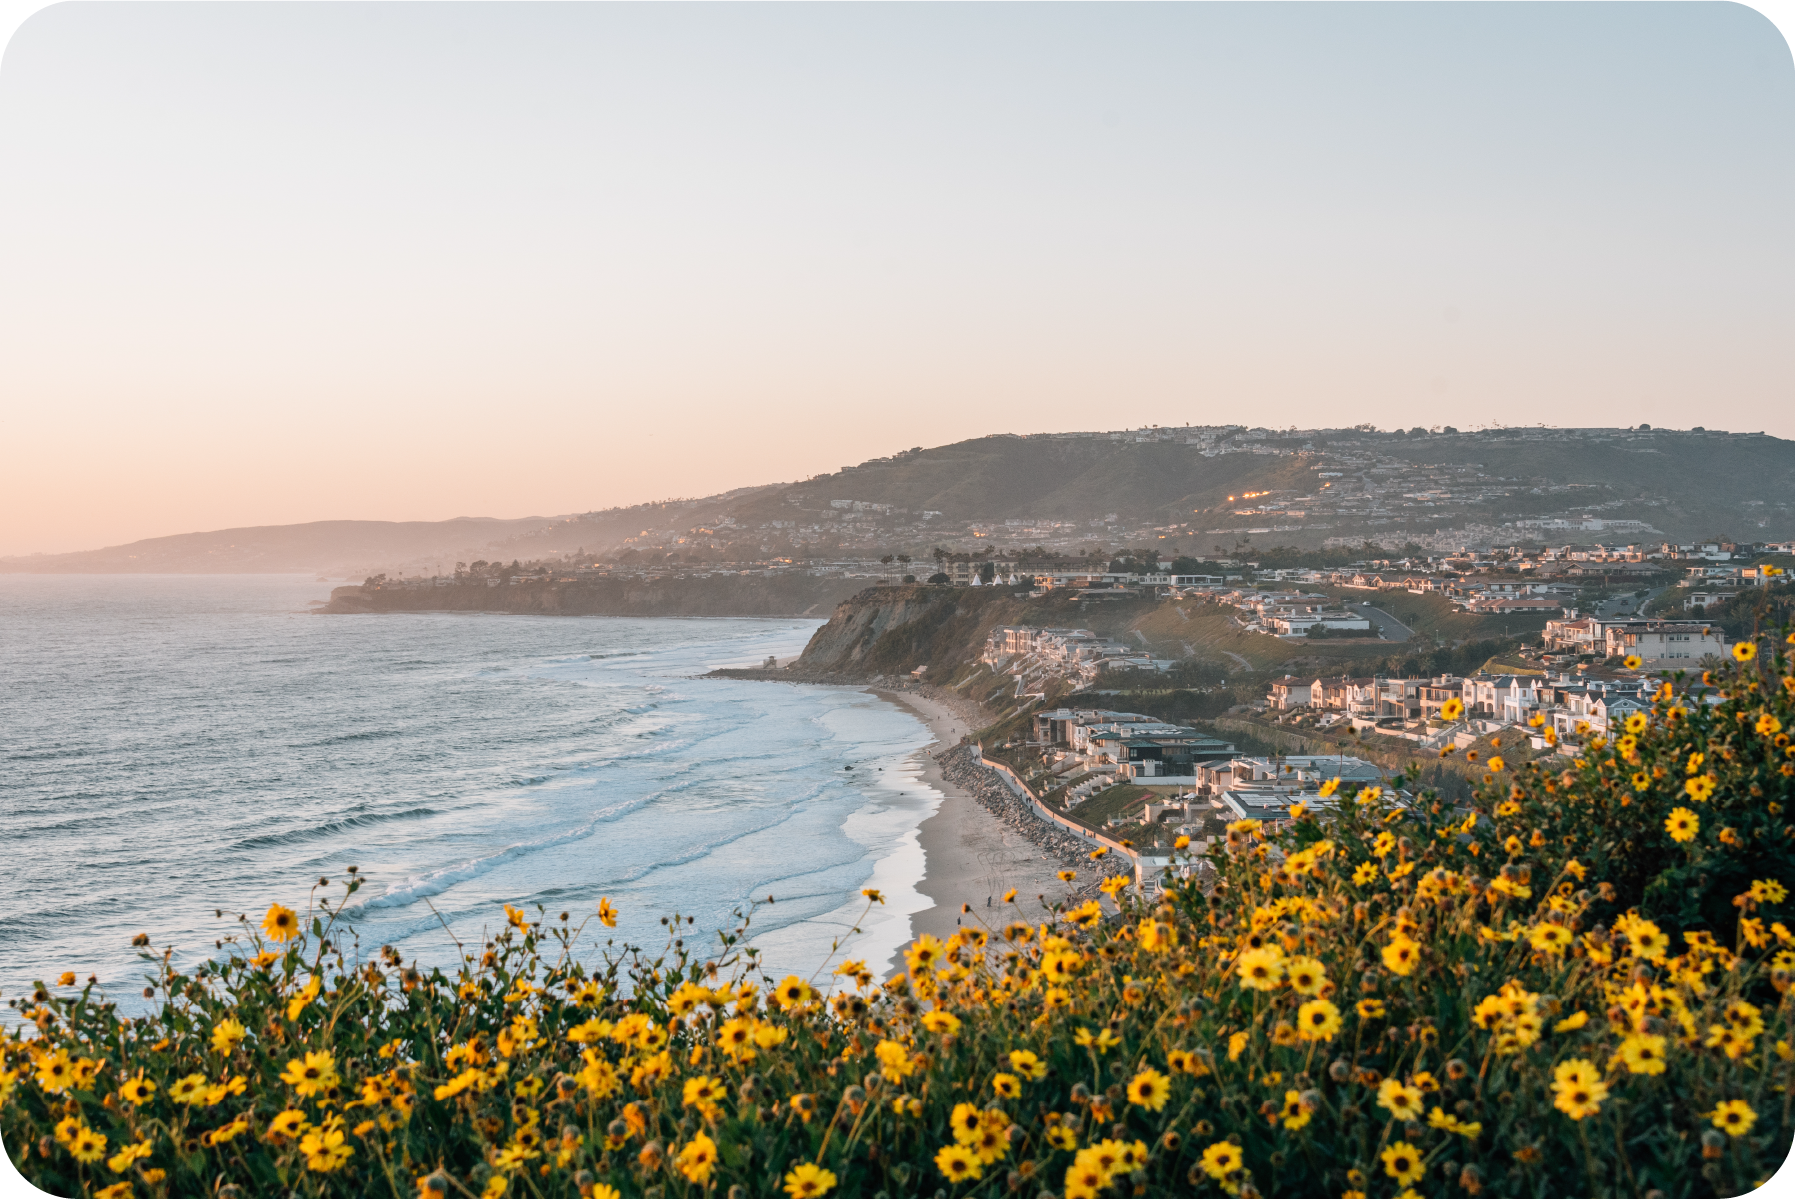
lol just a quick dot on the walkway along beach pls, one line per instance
(973, 855)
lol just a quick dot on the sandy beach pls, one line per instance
(970, 855)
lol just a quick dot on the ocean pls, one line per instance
(176, 745)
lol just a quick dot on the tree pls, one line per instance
(939, 577)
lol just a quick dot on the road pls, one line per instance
(1625, 603)
(1389, 627)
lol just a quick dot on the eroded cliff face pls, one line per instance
(893, 630)
(857, 624)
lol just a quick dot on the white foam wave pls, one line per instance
(438, 881)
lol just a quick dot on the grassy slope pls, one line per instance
(1209, 630)
(1004, 477)
(1708, 482)
(1435, 616)
(1125, 800)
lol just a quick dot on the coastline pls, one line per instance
(969, 854)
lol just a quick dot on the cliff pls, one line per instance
(894, 630)
(714, 595)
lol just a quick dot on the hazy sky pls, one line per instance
(267, 263)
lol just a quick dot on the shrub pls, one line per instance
(1579, 986)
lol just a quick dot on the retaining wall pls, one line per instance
(1043, 812)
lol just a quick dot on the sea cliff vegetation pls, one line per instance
(1578, 985)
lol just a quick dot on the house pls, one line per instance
(1612, 710)
(1289, 693)
(1509, 698)
(1656, 642)
(1434, 696)
(1579, 634)
(1293, 622)
(1512, 603)
(1400, 698)
(1596, 704)
(1590, 634)
(1344, 694)
(1265, 788)
(964, 570)
(1166, 756)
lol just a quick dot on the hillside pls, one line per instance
(1000, 478)
(894, 630)
(714, 595)
(1693, 484)
(1190, 491)
(1436, 616)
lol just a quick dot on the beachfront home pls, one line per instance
(1266, 788)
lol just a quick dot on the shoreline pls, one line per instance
(969, 855)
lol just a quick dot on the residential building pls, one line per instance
(1664, 642)
(1289, 693)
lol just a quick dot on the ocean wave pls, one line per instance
(332, 827)
(47, 754)
(435, 883)
(703, 850)
(439, 881)
(345, 738)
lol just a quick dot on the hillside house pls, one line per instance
(1663, 642)
(1288, 694)
(1344, 694)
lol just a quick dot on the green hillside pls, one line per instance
(997, 478)
(1434, 616)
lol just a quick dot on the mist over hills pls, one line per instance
(283, 549)
(1182, 489)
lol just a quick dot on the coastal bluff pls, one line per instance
(886, 631)
(695, 595)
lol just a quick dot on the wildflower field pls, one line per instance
(1580, 986)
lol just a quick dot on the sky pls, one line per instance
(269, 263)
